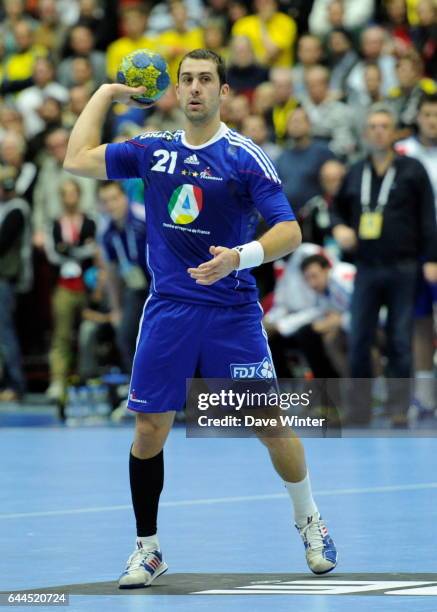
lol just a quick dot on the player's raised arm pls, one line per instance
(85, 155)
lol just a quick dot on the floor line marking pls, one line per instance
(226, 500)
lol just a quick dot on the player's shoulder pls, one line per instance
(251, 156)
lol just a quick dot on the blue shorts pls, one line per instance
(176, 340)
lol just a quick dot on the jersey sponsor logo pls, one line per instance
(165, 135)
(185, 204)
(207, 174)
(261, 369)
(192, 159)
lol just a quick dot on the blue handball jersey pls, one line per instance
(197, 197)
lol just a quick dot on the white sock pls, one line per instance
(148, 543)
(302, 499)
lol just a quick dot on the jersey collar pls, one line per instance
(219, 134)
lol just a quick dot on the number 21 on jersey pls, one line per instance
(162, 164)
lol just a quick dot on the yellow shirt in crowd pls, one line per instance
(281, 30)
(121, 47)
(174, 45)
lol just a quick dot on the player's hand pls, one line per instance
(224, 261)
(430, 272)
(123, 94)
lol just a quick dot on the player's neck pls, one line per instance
(199, 134)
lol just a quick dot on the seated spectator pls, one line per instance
(309, 53)
(314, 217)
(244, 74)
(372, 49)
(79, 96)
(255, 127)
(425, 36)
(271, 33)
(15, 269)
(10, 120)
(348, 14)
(123, 242)
(50, 112)
(70, 247)
(180, 38)
(284, 101)
(134, 25)
(13, 14)
(82, 74)
(361, 103)
(396, 24)
(47, 202)
(296, 306)
(331, 120)
(81, 44)
(239, 109)
(404, 100)
(50, 31)
(30, 99)
(341, 59)
(166, 113)
(13, 165)
(299, 164)
(20, 65)
(214, 38)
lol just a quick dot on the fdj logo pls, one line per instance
(262, 369)
(185, 204)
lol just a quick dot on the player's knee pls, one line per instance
(147, 427)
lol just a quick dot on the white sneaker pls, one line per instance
(55, 390)
(320, 551)
(142, 568)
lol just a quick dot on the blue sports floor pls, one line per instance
(65, 519)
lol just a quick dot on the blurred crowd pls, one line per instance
(319, 85)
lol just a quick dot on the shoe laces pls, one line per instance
(138, 558)
(312, 533)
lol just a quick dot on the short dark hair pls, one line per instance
(110, 183)
(319, 259)
(206, 54)
(427, 99)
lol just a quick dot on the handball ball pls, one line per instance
(147, 69)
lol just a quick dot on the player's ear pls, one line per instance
(224, 90)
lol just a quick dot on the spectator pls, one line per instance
(50, 112)
(263, 102)
(82, 74)
(309, 53)
(79, 96)
(47, 202)
(13, 164)
(315, 216)
(296, 306)
(244, 74)
(373, 40)
(396, 24)
(81, 43)
(14, 14)
(239, 109)
(299, 164)
(10, 120)
(214, 38)
(124, 250)
(331, 120)
(71, 247)
(405, 99)
(15, 270)
(180, 38)
(341, 59)
(29, 100)
(362, 102)
(255, 127)
(349, 14)
(50, 32)
(20, 65)
(424, 148)
(271, 32)
(384, 212)
(166, 113)
(134, 24)
(284, 100)
(425, 36)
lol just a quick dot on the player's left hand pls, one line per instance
(224, 261)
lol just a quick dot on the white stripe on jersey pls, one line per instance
(258, 149)
(258, 153)
(253, 154)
